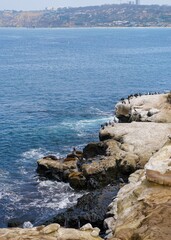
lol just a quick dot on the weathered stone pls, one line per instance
(94, 149)
(52, 157)
(142, 209)
(51, 232)
(87, 226)
(50, 228)
(123, 109)
(145, 108)
(77, 180)
(58, 170)
(141, 139)
(95, 232)
(158, 169)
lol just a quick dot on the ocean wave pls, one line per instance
(97, 111)
(33, 153)
(37, 153)
(56, 195)
(86, 122)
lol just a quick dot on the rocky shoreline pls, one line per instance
(140, 145)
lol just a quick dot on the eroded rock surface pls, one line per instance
(158, 169)
(145, 108)
(142, 208)
(51, 232)
(139, 138)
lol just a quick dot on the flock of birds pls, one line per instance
(123, 101)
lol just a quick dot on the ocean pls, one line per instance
(57, 86)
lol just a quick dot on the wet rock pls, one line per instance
(90, 208)
(58, 170)
(77, 180)
(52, 157)
(50, 228)
(14, 223)
(94, 149)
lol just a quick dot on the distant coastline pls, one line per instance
(113, 16)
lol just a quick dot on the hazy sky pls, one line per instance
(42, 4)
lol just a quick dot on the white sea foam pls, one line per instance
(27, 225)
(56, 194)
(82, 125)
(34, 153)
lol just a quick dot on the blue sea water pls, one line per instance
(56, 87)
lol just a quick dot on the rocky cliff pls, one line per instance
(139, 143)
(142, 209)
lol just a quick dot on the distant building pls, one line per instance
(137, 2)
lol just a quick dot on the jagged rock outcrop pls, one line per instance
(145, 108)
(51, 232)
(140, 139)
(124, 147)
(158, 169)
(142, 209)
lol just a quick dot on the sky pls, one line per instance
(42, 4)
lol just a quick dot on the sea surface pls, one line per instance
(57, 86)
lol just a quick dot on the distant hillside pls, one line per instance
(123, 15)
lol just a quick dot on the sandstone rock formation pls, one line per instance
(124, 147)
(158, 169)
(145, 108)
(51, 232)
(142, 209)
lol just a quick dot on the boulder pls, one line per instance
(58, 170)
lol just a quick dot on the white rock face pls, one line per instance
(158, 169)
